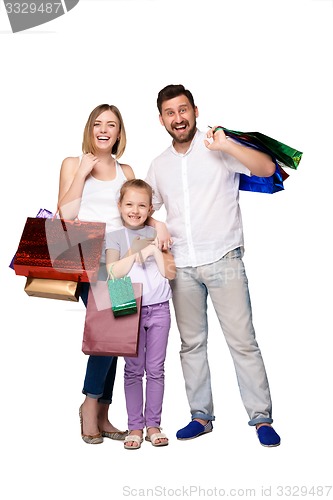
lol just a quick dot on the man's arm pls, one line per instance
(257, 162)
(163, 236)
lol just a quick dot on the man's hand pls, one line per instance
(259, 163)
(219, 139)
(163, 238)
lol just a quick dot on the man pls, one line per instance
(197, 179)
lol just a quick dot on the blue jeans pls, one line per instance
(226, 283)
(101, 370)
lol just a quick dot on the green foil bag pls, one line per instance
(282, 155)
(122, 296)
(286, 156)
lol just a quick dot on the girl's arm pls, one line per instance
(164, 260)
(119, 267)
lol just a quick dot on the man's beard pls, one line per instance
(190, 133)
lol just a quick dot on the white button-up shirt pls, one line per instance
(200, 192)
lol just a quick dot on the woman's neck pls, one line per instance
(105, 158)
(104, 169)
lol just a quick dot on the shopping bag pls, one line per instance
(60, 249)
(286, 156)
(105, 334)
(281, 154)
(53, 289)
(122, 295)
(42, 213)
(270, 185)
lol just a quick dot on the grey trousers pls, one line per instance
(226, 283)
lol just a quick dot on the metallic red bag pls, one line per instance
(60, 249)
(106, 334)
(44, 214)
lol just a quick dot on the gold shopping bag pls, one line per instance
(53, 289)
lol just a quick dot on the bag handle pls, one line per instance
(63, 223)
(111, 276)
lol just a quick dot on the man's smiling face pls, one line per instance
(179, 118)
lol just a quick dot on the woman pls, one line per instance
(89, 189)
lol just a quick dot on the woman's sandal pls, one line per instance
(95, 439)
(132, 438)
(117, 436)
(153, 438)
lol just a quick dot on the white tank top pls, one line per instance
(99, 202)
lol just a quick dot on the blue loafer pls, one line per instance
(194, 429)
(267, 436)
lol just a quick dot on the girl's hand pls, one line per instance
(146, 252)
(139, 244)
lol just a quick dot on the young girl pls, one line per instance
(133, 250)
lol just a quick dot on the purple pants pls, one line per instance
(153, 340)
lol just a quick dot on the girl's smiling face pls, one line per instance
(135, 208)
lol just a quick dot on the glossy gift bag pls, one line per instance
(122, 296)
(42, 213)
(105, 334)
(53, 289)
(281, 154)
(60, 249)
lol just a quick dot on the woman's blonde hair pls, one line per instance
(88, 145)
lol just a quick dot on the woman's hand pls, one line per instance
(87, 164)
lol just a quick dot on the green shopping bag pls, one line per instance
(122, 295)
(282, 155)
(286, 156)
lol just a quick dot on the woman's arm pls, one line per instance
(128, 171)
(73, 174)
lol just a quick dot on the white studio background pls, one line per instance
(251, 65)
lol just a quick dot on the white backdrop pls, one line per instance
(251, 65)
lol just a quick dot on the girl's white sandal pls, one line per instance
(155, 437)
(133, 438)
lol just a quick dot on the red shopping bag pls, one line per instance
(44, 214)
(60, 249)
